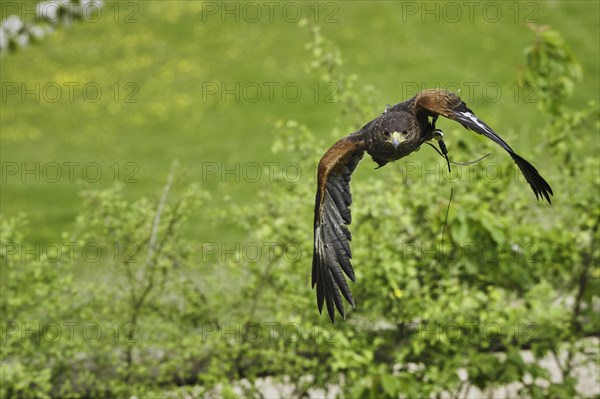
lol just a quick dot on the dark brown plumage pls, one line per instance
(394, 134)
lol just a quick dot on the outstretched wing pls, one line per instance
(332, 216)
(435, 102)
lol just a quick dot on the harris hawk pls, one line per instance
(396, 133)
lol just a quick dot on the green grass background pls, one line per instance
(169, 51)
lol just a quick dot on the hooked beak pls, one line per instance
(396, 139)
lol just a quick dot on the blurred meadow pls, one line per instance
(178, 83)
(168, 52)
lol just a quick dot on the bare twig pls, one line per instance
(159, 210)
(583, 282)
(138, 301)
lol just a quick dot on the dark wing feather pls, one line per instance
(442, 102)
(332, 255)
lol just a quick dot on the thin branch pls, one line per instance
(159, 210)
(138, 302)
(583, 282)
(558, 363)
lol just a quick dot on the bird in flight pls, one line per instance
(400, 130)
